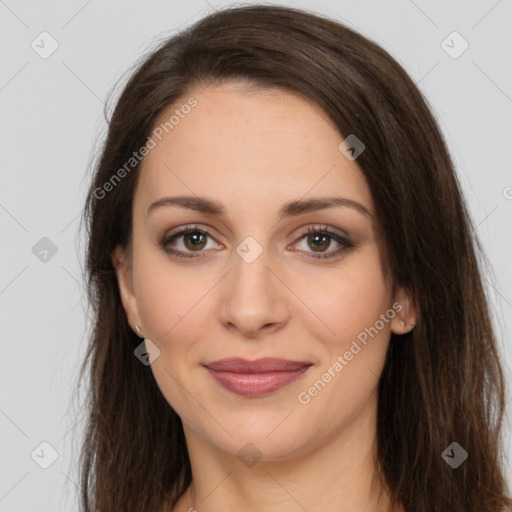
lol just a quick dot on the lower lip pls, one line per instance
(256, 384)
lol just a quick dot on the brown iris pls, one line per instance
(195, 238)
(316, 237)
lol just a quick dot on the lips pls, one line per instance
(267, 364)
(255, 378)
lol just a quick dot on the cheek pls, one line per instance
(175, 309)
(172, 310)
(346, 302)
(353, 357)
(166, 298)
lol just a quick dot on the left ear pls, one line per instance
(406, 312)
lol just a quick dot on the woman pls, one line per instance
(289, 311)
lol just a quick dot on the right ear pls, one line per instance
(122, 266)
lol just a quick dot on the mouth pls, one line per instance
(256, 378)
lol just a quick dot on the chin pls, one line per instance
(271, 437)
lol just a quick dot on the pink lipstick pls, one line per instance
(255, 378)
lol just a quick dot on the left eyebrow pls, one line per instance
(289, 209)
(310, 205)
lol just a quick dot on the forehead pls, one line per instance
(253, 145)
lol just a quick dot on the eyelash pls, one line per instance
(345, 242)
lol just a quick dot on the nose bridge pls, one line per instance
(251, 299)
(251, 268)
(250, 277)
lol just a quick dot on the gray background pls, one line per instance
(52, 117)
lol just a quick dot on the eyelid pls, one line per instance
(209, 230)
(322, 227)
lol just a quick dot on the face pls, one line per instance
(262, 276)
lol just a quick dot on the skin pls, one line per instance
(252, 151)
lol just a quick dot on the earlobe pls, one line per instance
(121, 264)
(406, 312)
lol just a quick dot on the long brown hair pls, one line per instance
(441, 383)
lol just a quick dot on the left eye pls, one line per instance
(321, 239)
(193, 240)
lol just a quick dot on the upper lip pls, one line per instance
(266, 364)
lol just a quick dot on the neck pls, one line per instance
(335, 474)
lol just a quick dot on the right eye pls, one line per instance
(193, 240)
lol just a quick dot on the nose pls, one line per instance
(254, 299)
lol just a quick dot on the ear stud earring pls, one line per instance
(402, 323)
(137, 328)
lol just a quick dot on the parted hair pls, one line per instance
(441, 383)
